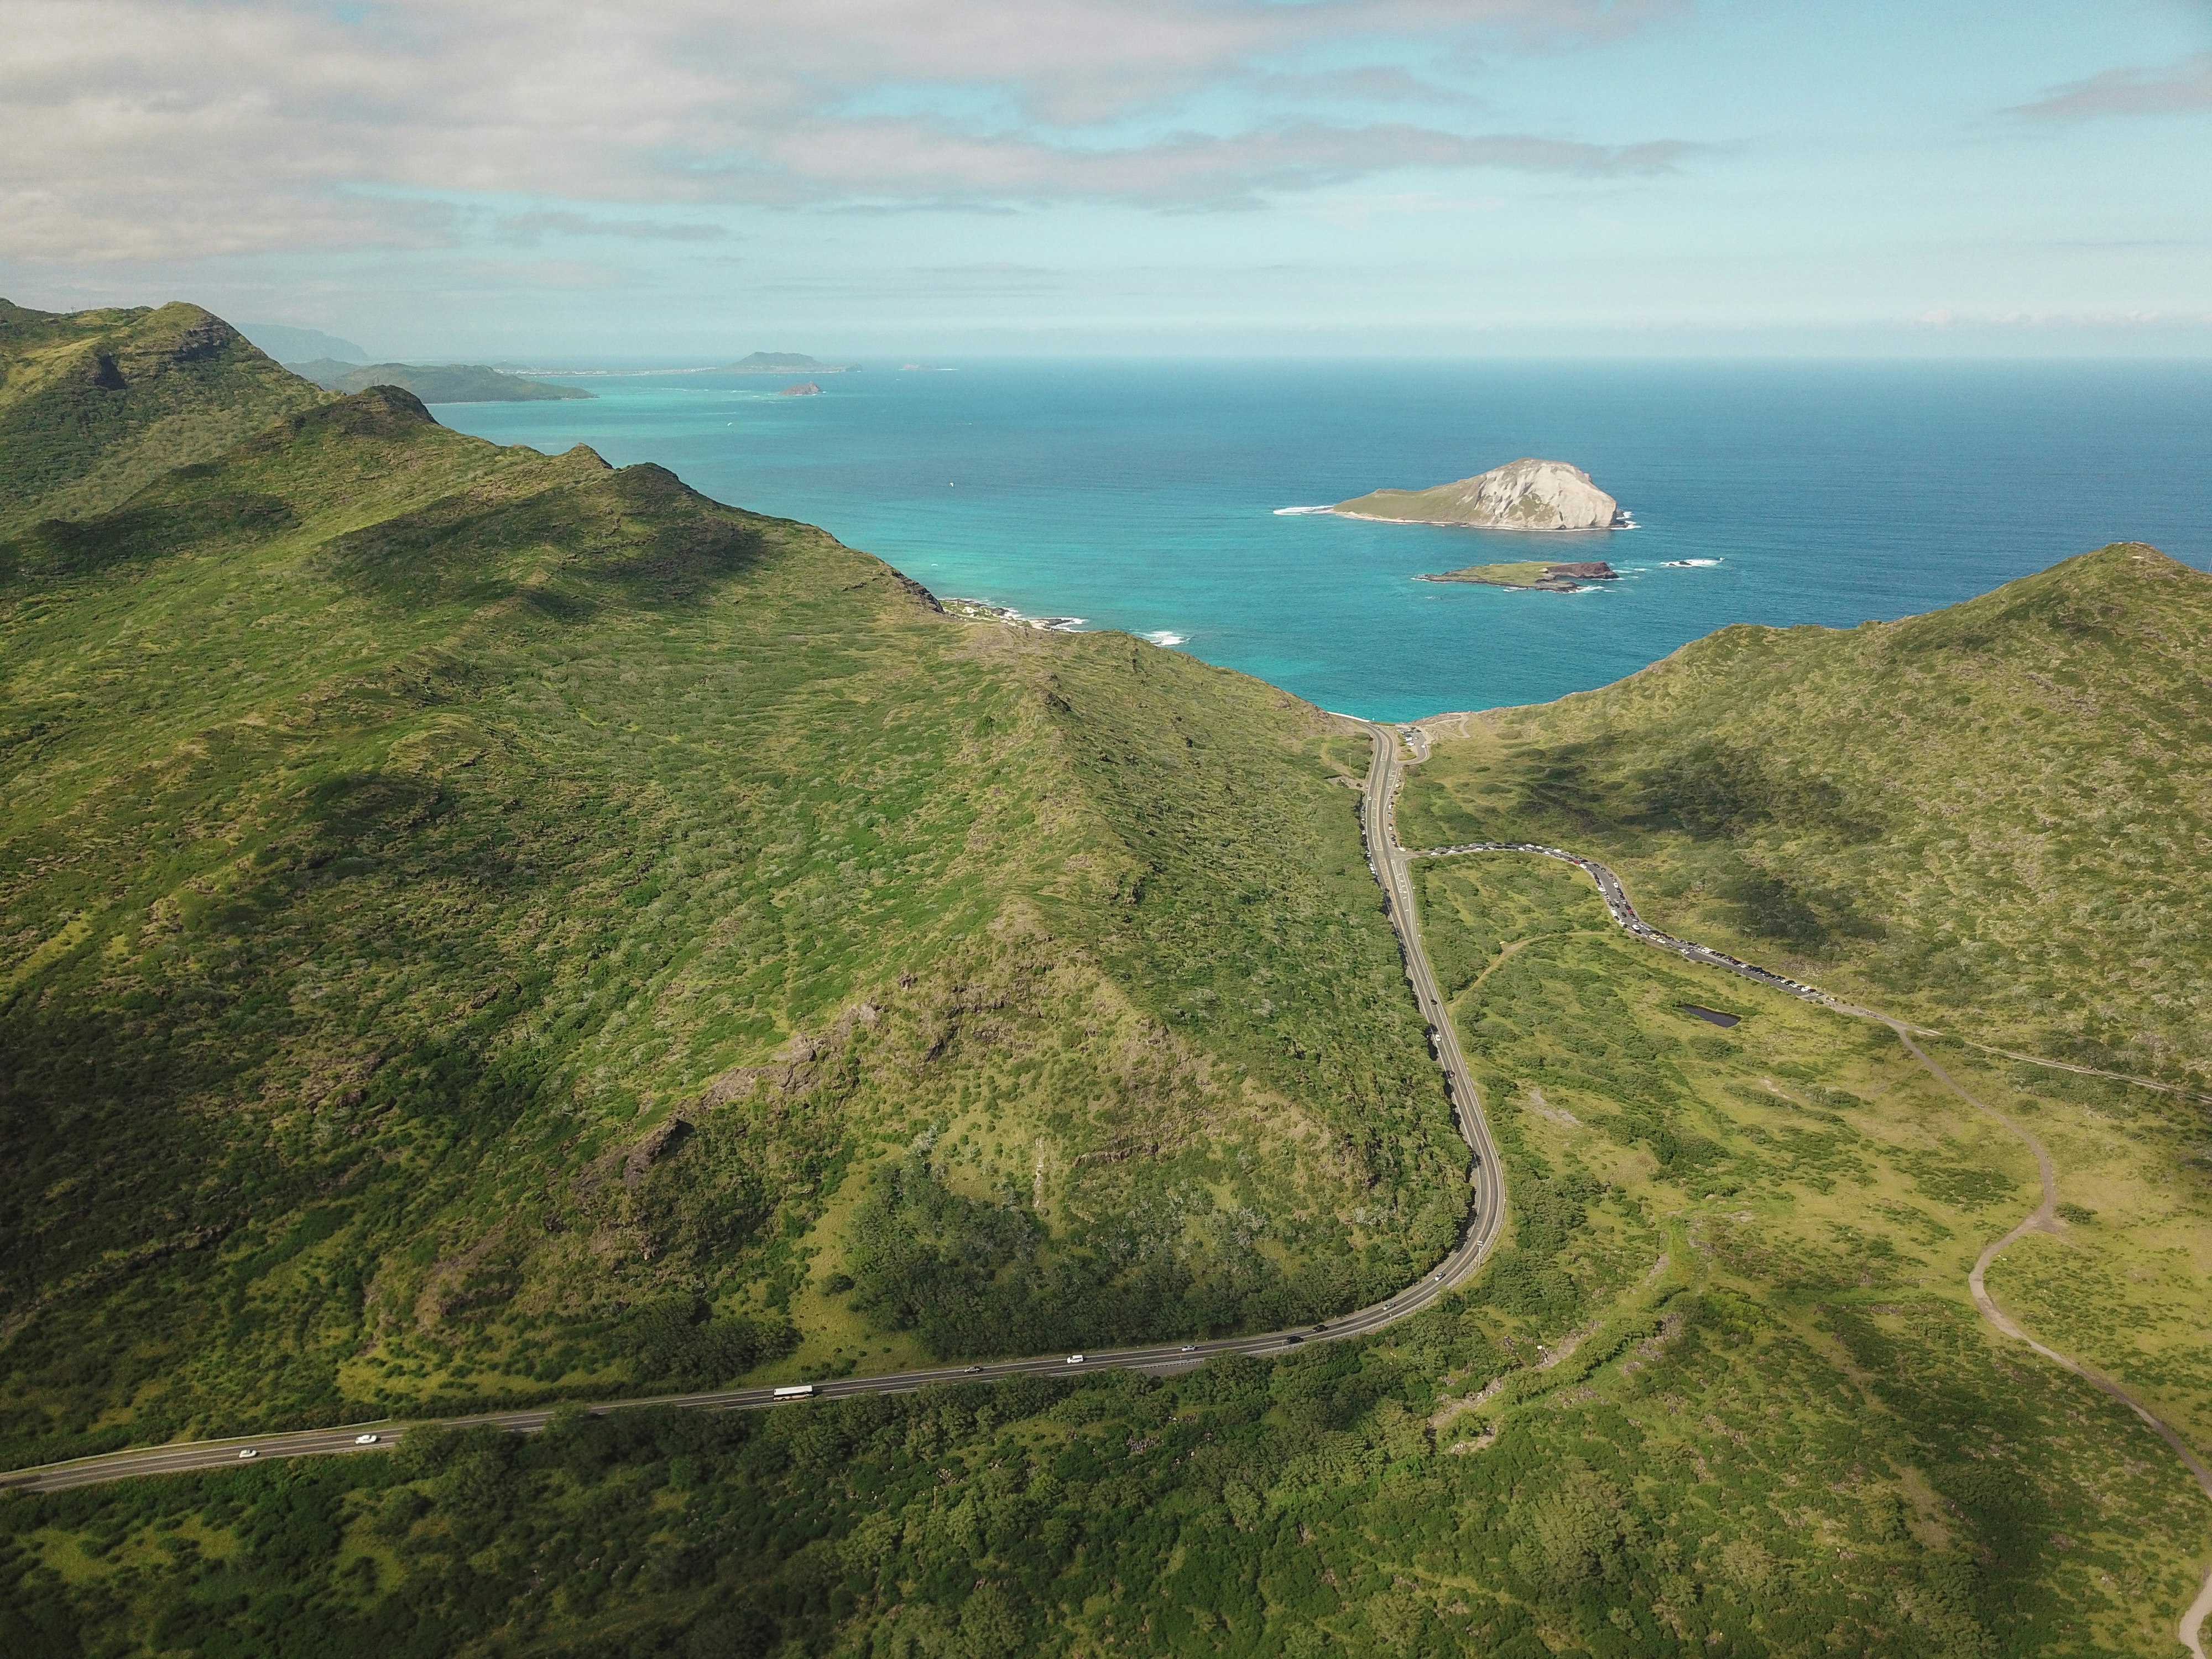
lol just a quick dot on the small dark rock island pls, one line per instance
(1533, 573)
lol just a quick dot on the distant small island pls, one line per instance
(1523, 494)
(1532, 574)
(436, 383)
(803, 389)
(786, 362)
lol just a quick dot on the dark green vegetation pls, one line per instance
(1764, 1421)
(478, 926)
(435, 383)
(96, 405)
(1993, 818)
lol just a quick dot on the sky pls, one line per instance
(627, 180)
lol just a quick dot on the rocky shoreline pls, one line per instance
(978, 610)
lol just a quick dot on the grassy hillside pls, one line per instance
(477, 925)
(97, 405)
(1992, 818)
(1722, 1393)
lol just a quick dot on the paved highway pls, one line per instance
(1389, 861)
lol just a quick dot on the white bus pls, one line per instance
(796, 1391)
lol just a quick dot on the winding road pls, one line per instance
(1391, 864)
(1389, 861)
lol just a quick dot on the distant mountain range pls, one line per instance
(439, 383)
(787, 362)
(289, 343)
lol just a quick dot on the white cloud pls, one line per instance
(2174, 88)
(155, 131)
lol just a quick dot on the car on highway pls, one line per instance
(1292, 1341)
(1190, 1347)
(249, 1452)
(364, 1440)
(1075, 1359)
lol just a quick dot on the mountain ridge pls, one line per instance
(95, 404)
(403, 828)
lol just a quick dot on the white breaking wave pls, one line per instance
(1285, 512)
(1164, 636)
(1690, 565)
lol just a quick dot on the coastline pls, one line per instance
(1006, 615)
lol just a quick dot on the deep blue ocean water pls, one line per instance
(1142, 495)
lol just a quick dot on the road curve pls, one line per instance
(1389, 861)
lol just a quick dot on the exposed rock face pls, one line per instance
(803, 389)
(1523, 495)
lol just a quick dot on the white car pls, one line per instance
(249, 1452)
(364, 1440)
(1075, 1359)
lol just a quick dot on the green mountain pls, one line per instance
(95, 404)
(482, 926)
(435, 383)
(1988, 818)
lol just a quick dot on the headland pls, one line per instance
(1523, 494)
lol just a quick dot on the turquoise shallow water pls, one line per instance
(1142, 496)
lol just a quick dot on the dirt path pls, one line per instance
(2191, 1627)
(2190, 1630)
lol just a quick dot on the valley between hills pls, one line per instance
(481, 931)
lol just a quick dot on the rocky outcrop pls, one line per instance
(803, 389)
(1523, 495)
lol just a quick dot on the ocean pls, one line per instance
(1145, 495)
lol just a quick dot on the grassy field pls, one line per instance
(479, 927)
(1722, 1393)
